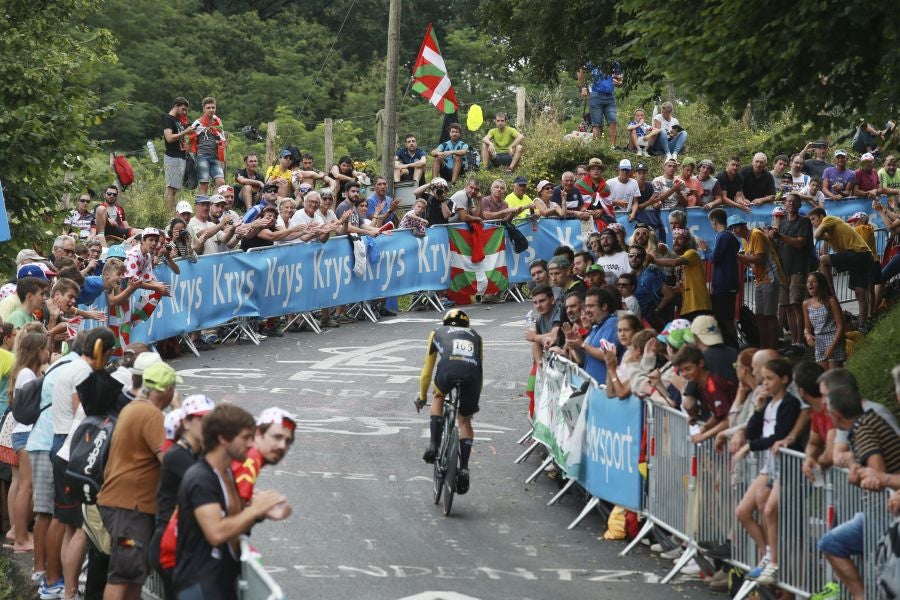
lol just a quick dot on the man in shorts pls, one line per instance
(850, 253)
(127, 500)
(793, 238)
(601, 95)
(502, 146)
(174, 160)
(456, 348)
(109, 217)
(760, 254)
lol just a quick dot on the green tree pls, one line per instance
(831, 63)
(49, 61)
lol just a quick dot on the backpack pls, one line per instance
(518, 240)
(887, 562)
(124, 172)
(26, 407)
(748, 328)
(87, 457)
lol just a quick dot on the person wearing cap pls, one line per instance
(694, 293)
(184, 429)
(759, 185)
(760, 254)
(249, 181)
(135, 360)
(712, 189)
(438, 210)
(543, 202)
(269, 198)
(594, 276)
(502, 146)
(866, 183)
(518, 199)
(139, 262)
(127, 499)
(838, 181)
(860, 223)
(849, 252)
(815, 167)
(793, 237)
(450, 155)
(622, 188)
(210, 229)
(175, 158)
(494, 206)
(595, 195)
(601, 97)
(209, 520)
(308, 174)
(560, 271)
(672, 136)
(184, 211)
(80, 220)
(272, 439)
(718, 358)
(409, 161)
(280, 172)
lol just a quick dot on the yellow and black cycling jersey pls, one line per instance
(457, 351)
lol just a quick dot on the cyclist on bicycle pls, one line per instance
(457, 350)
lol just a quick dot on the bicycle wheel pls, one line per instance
(450, 473)
(437, 483)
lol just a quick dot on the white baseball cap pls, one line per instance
(625, 164)
(172, 421)
(184, 207)
(275, 415)
(197, 405)
(144, 360)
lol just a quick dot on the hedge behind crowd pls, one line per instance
(873, 360)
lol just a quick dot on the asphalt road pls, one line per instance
(364, 525)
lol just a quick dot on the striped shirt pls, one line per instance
(872, 435)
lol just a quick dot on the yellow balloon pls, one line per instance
(474, 119)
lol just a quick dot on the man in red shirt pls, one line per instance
(818, 449)
(595, 195)
(274, 437)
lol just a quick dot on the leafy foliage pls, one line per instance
(874, 358)
(49, 61)
(831, 63)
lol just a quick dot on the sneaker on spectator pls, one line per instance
(37, 577)
(755, 572)
(447, 302)
(209, 338)
(672, 554)
(53, 591)
(691, 568)
(675, 156)
(769, 575)
(831, 591)
(323, 323)
(343, 319)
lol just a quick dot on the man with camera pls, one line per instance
(438, 211)
(602, 99)
(815, 167)
(212, 231)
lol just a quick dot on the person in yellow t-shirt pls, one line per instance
(850, 253)
(695, 298)
(760, 254)
(519, 199)
(502, 146)
(860, 223)
(280, 173)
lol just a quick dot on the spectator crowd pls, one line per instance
(643, 314)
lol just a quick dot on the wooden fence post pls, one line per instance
(271, 131)
(520, 107)
(329, 144)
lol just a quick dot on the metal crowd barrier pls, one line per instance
(802, 521)
(153, 587)
(255, 583)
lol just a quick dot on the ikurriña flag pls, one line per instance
(477, 263)
(430, 76)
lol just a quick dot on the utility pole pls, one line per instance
(390, 94)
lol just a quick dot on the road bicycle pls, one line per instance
(446, 465)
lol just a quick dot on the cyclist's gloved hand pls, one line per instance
(420, 404)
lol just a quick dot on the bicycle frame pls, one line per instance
(447, 463)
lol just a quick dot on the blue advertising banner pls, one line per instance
(612, 445)
(759, 216)
(542, 241)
